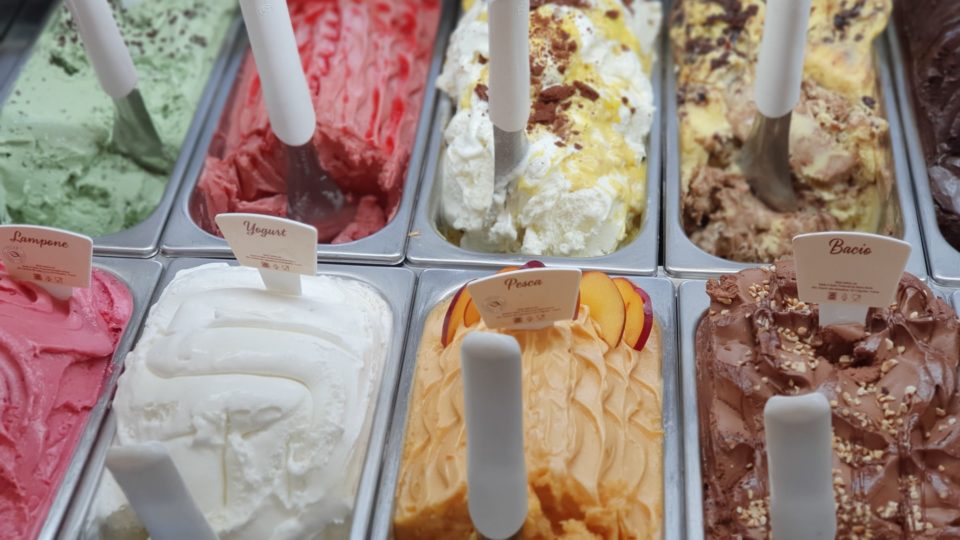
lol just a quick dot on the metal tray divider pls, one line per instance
(693, 301)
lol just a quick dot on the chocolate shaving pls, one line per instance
(481, 91)
(558, 92)
(534, 4)
(544, 113)
(586, 90)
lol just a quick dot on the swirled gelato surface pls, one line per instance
(366, 64)
(892, 386)
(593, 436)
(930, 37)
(581, 191)
(54, 358)
(263, 400)
(839, 141)
(58, 166)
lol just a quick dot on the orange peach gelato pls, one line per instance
(593, 436)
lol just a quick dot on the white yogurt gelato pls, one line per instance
(263, 401)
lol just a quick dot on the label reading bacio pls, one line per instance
(46, 256)
(849, 267)
(529, 298)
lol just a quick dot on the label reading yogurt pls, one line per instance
(527, 298)
(281, 249)
(849, 268)
(47, 256)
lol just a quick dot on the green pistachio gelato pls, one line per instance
(57, 166)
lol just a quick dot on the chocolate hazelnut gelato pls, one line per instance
(930, 35)
(892, 385)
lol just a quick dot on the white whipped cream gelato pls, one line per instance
(580, 192)
(263, 401)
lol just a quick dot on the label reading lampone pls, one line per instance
(849, 267)
(46, 256)
(271, 243)
(527, 298)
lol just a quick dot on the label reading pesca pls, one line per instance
(527, 298)
(46, 256)
(271, 243)
(849, 267)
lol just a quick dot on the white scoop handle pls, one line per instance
(275, 53)
(157, 493)
(800, 462)
(104, 45)
(509, 88)
(780, 60)
(496, 472)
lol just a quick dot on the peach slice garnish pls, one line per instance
(471, 315)
(463, 311)
(639, 313)
(454, 318)
(607, 307)
(647, 319)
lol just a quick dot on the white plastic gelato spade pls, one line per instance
(800, 462)
(155, 489)
(496, 472)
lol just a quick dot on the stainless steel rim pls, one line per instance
(943, 258)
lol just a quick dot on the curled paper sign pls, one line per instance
(848, 272)
(527, 298)
(281, 249)
(54, 259)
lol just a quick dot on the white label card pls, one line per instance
(527, 298)
(281, 249)
(47, 256)
(849, 268)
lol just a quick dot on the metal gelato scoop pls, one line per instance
(765, 159)
(509, 90)
(134, 134)
(312, 195)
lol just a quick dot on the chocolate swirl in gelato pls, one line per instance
(930, 34)
(892, 385)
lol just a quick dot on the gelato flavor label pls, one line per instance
(271, 243)
(527, 298)
(47, 256)
(849, 268)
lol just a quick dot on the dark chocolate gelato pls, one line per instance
(930, 38)
(892, 384)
